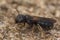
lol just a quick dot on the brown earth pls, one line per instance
(9, 9)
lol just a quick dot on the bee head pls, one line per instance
(20, 18)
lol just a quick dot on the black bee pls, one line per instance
(45, 23)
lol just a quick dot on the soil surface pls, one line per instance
(9, 9)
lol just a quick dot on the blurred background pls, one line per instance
(9, 9)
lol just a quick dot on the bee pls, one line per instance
(45, 23)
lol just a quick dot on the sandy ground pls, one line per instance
(9, 9)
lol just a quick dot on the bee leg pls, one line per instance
(30, 26)
(36, 28)
(24, 23)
